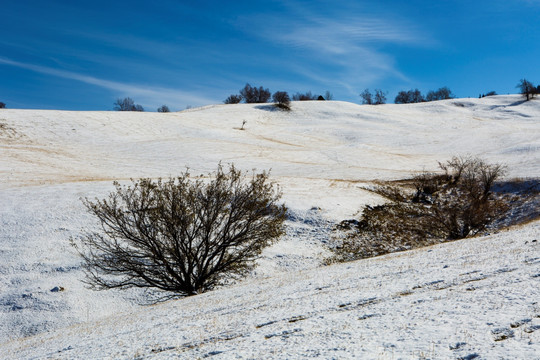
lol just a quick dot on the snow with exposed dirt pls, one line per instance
(477, 298)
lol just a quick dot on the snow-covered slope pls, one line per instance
(321, 140)
(469, 299)
(321, 153)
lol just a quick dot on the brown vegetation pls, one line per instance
(427, 209)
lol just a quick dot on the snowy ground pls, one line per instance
(471, 299)
(477, 296)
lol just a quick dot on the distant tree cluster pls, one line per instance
(409, 97)
(307, 96)
(415, 96)
(163, 109)
(527, 89)
(2, 105)
(252, 95)
(441, 94)
(127, 104)
(377, 98)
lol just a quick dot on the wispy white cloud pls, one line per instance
(355, 48)
(345, 35)
(146, 95)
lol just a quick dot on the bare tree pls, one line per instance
(282, 100)
(409, 97)
(380, 97)
(441, 94)
(255, 95)
(367, 97)
(307, 96)
(163, 109)
(182, 235)
(127, 104)
(527, 89)
(328, 95)
(233, 99)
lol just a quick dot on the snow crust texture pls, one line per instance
(477, 298)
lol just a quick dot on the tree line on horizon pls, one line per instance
(253, 95)
(250, 94)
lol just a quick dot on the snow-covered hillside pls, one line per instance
(452, 300)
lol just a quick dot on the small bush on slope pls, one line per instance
(163, 109)
(233, 99)
(425, 210)
(304, 96)
(282, 100)
(182, 236)
(127, 104)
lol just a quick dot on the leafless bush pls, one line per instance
(425, 210)
(328, 95)
(409, 97)
(373, 99)
(182, 235)
(127, 104)
(527, 89)
(440, 94)
(282, 100)
(163, 109)
(304, 96)
(233, 99)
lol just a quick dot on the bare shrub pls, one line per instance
(2, 105)
(282, 100)
(379, 97)
(181, 235)
(409, 97)
(440, 94)
(367, 97)
(527, 89)
(127, 104)
(425, 210)
(163, 109)
(307, 96)
(233, 99)
(328, 95)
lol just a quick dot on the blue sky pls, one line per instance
(76, 55)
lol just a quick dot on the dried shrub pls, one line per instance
(425, 210)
